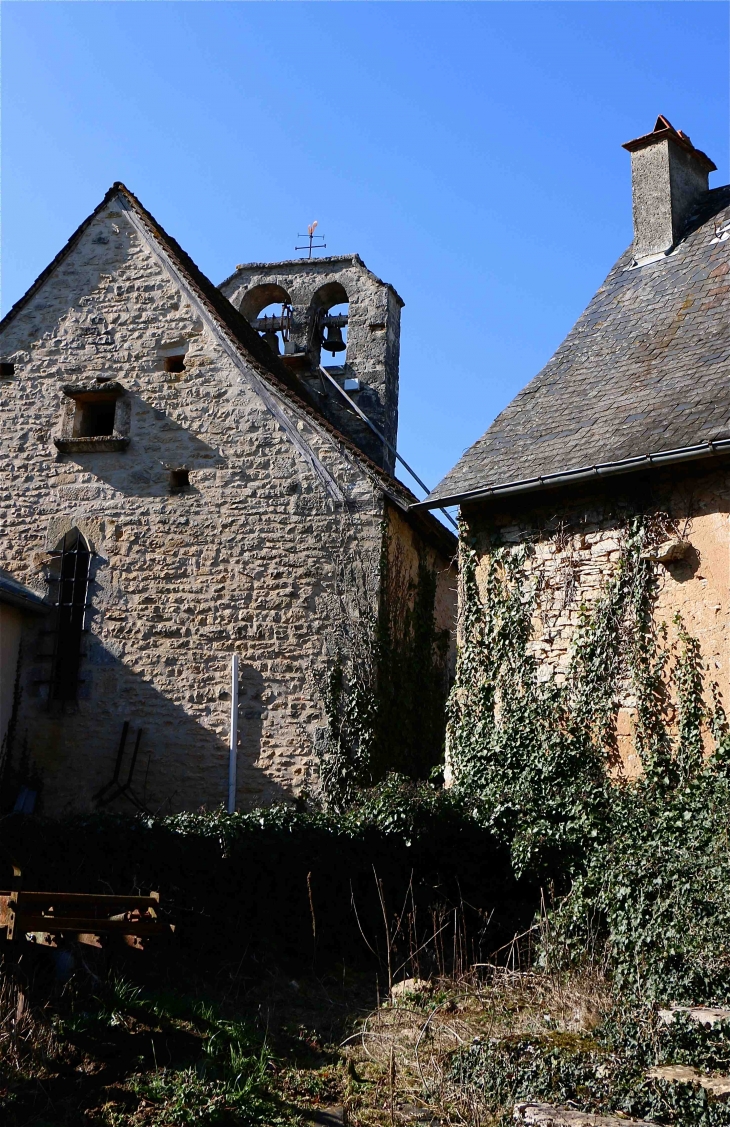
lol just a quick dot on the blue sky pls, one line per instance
(470, 152)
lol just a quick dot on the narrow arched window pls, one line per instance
(329, 315)
(268, 308)
(69, 578)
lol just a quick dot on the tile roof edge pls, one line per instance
(587, 473)
(669, 133)
(13, 593)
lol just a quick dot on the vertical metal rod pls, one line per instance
(382, 438)
(134, 758)
(233, 745)
(120, 753)
(87, 601)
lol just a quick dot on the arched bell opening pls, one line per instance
(268, 309)
(330, 308)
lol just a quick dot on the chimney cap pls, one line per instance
(664, 130)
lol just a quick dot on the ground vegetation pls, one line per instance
(414, 954)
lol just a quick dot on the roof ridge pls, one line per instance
(265, 363)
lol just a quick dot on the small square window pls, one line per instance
(174, 363)
(94, 418)
(179, 480)
(7, 369)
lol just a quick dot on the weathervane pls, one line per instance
(311, 236)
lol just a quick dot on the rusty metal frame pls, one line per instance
(45, 918)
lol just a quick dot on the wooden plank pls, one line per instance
(103, 900)
(703, 1015)
(683, 1074)
(25, 922)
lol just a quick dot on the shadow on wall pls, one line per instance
(685, 568)
(71, 749)
(159, 446)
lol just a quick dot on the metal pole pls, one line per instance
(233, 745)
(382, 438)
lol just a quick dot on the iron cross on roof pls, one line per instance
(311, 236)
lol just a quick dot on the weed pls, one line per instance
(185, 1097)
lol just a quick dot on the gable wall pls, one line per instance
(576, 545)
(245, 560)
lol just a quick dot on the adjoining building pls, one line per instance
(631, 416)
(178, 488)
(17, 603)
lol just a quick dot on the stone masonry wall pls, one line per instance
(577, 544)
(373, 336)
(244, 560)
(406, 548)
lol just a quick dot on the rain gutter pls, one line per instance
(566, 477)
(15, 594)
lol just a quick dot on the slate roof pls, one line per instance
(16, 594)
(645, 371)
(256, 352)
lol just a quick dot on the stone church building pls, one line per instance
(630, 416)
(191, 472)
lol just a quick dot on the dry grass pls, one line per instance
(26, 1033)
(399, 1060)
(390, 1065)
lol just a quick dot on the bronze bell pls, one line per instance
(333, 342)
(272, 340)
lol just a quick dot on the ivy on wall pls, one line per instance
(385, 693)
(643, 864)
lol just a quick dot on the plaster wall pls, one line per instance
(576, 545)
(667, 182)
(406, 549)
(688, 183)
(652, 201)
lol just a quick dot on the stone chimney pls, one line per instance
(668, 180)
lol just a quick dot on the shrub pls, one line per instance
(293, 884)
(644, 866)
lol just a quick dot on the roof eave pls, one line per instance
(13, 594)
(588, 473)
